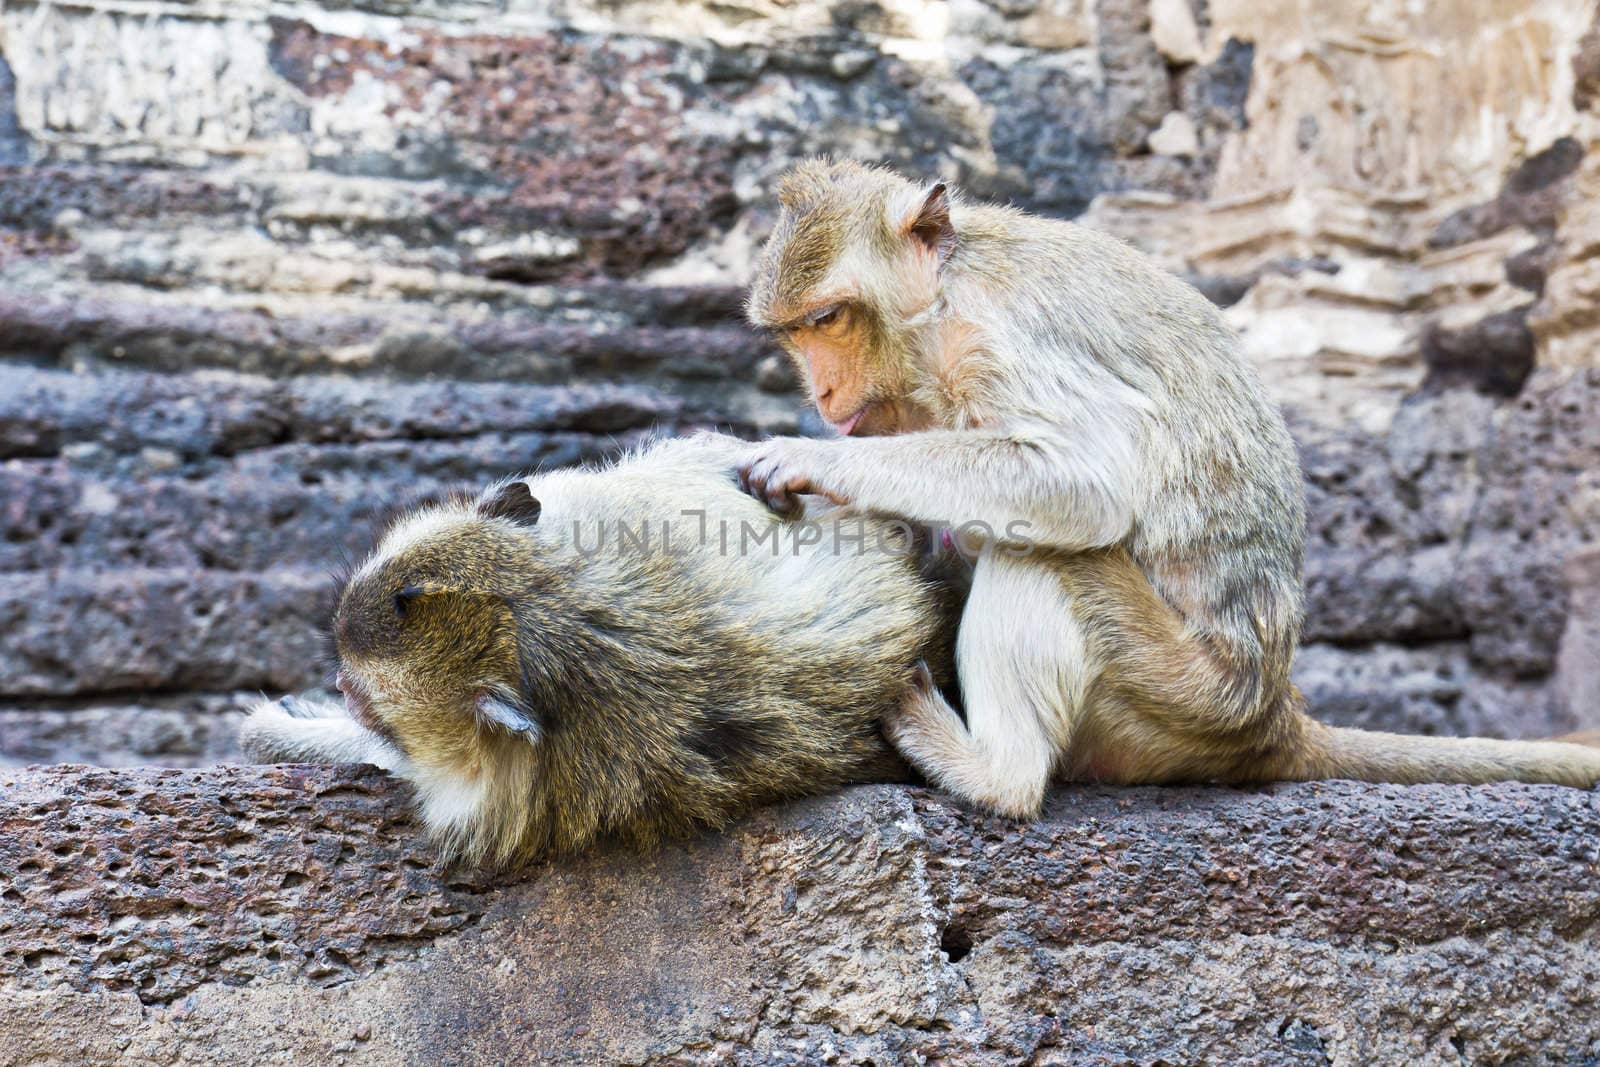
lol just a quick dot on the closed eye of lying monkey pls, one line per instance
(983, 365)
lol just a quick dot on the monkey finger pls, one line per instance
(764, 478)
(750, 480)
(785, 498)
(800, 486)
(779, 501)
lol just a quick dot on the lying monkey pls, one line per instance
(630, 652)
(984, 365)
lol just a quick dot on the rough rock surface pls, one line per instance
(271, 269)
(288, 915)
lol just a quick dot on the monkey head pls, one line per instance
(848, 283)
(426, 631)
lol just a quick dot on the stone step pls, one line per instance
(292, 913)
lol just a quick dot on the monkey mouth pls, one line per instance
(356, 701)
(846, 427)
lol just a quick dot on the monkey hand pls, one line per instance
(296, 730)
(271, 730)
(783, 468)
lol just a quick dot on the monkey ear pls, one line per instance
(512, 501)
(929, 223)
(507, 715)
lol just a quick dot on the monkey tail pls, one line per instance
(1368, 756)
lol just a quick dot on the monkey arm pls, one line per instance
(297, 731)
(1031, 486)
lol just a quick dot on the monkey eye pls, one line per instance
(825, 316)
(403, 598)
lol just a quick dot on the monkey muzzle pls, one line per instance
(356, 701)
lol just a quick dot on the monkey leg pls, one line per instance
(1021, 658)
(1168, 708)
(292, 730)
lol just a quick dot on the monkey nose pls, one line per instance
(824, 394)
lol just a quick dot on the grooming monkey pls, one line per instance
(983, 364)
(544, 679)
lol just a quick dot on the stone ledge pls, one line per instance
(291, 914)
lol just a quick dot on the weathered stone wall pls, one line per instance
(269, 269)
(287, 915)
